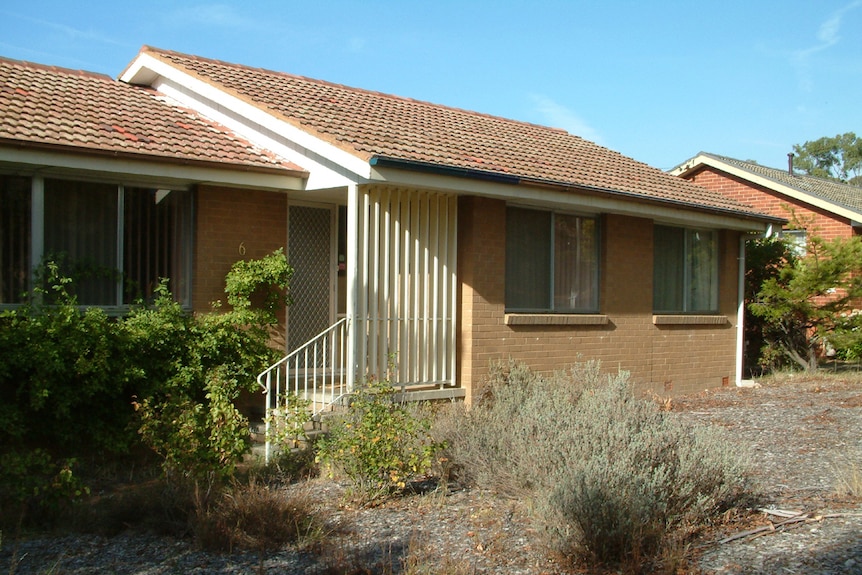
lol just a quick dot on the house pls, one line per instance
(426, 239)
(832, 209)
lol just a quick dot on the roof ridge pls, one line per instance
(411, 133)
(155, 50)
(58, 69)
(784, 172)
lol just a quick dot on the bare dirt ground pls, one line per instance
(804, 434)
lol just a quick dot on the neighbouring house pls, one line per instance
(427, 240)
(810, 204)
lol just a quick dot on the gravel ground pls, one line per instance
(803, 432)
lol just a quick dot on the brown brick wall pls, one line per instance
(821, 222)
(233, 225)
(672, 359)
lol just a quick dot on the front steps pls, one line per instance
(323, 411)
(312, 430)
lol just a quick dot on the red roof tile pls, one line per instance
(50, 106)
(369, 124)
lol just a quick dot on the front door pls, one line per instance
(311, 249)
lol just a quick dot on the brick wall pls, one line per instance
(233, 225)
(825, 224)
(666, 359)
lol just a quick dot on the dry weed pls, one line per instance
(425, 559)
(849, 479)
(258, 517)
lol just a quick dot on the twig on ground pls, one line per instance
(793, 519)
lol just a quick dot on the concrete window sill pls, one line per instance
(555, 319)
(689, 320)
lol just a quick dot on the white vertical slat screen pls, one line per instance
(407, 286)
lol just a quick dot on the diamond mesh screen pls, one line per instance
(309, 240)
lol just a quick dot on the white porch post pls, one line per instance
(352, 282)
(740, 315)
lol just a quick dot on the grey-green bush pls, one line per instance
(610, 476)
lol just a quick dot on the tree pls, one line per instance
(804, 304)
(764, 258)
(838, 158)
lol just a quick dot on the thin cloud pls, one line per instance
(559, 116)
(212, 16)
(828, 35)
(356, 44)
(68, 31)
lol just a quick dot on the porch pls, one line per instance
(386, 263)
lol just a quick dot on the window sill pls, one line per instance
(689, 320)
(555, 319)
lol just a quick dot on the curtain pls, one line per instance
(81, 235)
(156, 236)
(528, 260)
(668, 269)
(703, 287)
(575, 263)
(14, 238)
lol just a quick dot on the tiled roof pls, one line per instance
(48, 106)
(838, 193)
(370, 124)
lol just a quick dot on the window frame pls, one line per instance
(687, 271)
(37, 230)
(552, 264)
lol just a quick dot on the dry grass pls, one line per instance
(425, 559)
(849, 479)
(419, 558)
(258, 517)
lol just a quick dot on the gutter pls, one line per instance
(151, 158)
(436, 169)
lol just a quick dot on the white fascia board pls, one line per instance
(686, 166)
(48, 163)
(328, 165)
(571, 200)
(768, 183)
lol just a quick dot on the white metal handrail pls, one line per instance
(315, 372)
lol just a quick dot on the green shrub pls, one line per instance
(611, 477)
(35, 477)
(380, 444)
(846, 337)
(64, 379)
(71, 378)
(206, 361)
(197, 440)
(263, 281)
(287, 422)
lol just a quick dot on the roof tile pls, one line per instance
(368, 124)
(45, 105)
(845, 195)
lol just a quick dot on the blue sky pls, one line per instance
(657, 81)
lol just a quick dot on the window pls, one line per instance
(114, 241)
(552, 262)
(685, 270)
(797, 241)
